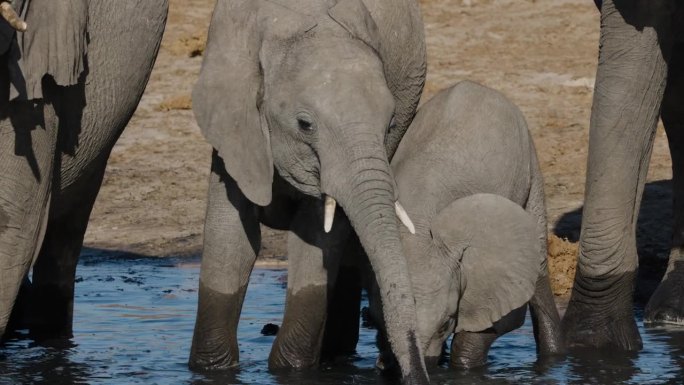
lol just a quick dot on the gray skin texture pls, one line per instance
(476, 258)
(53, 149)
(640, 78)
(302, 99)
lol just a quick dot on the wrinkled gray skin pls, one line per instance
(475, 261)
(307, 88)
(476, 271)
(53, 150)
(640, 78)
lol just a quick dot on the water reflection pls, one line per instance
(41, 364)
(134, 319)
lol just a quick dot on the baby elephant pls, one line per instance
(468, 177)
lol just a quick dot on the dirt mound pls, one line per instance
(562, 256)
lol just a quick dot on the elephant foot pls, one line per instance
(299, 341)
(292, 349)
(207, 362)
(666, 306)
(213, 353)
(280, 360)
(615, 328)
(214, 342)
(469, 350)
(51, 315)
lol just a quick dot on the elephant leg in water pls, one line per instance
(314, 259)
(24, 201)
(54, 148)
(636, 41)
(52, 285)
(232, 233)
(667, 303)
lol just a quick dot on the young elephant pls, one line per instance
(304, 101)
(468, 176)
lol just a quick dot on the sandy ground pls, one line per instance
(541, 54)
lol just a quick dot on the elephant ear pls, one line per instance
(55, 44)
(353, 16)
(493, 243)
(228, 93)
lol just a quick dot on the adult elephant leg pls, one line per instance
(52, 289)
(312, 268)
(232, 239)
(28, 137)
(91, 117)
(630, 82)
(667, 303)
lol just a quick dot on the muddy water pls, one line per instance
(134, 318)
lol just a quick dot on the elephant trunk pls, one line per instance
(369, 202)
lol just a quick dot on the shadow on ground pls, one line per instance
(654, 232)
(103, 253)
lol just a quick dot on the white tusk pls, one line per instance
(11, 16)
(330, 205)
(404, 218)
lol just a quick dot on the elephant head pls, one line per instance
(299, 87)
(484, 263)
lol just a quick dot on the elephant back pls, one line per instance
(467, 139)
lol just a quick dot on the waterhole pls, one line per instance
(134, 319)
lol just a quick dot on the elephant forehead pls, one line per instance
(331, 56)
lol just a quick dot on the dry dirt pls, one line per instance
(542, 54)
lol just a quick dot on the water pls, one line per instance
(134, 318)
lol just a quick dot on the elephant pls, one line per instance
(70, 82)
(640, 77)
(304, 103)
(473, 278)
(468, 177)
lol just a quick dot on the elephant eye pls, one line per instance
(304, 124)
(393, 123)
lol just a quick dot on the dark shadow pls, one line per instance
(93, 255)
(654, 233)
(664, 16)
